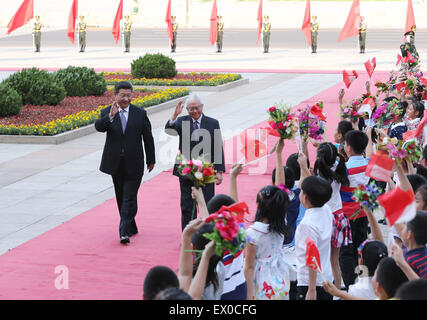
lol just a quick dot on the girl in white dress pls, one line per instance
(266, 271)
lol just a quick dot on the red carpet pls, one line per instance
(99, 267)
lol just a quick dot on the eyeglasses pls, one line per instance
(193, 108)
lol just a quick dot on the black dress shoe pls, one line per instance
(124, 239)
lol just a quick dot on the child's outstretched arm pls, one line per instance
(232, 186)
(280, 172)
(198, 283)
(249, 269)
(197, 194)
(185, 271)
(375, 227)
(334, 291)
(397, 255)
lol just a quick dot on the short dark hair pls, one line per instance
(172, 294)
(418, 226)
(413, 290)
(344, 126)
(122, 85)
(317, 189)
(416, 181)
(218, 201)
(289, 177)
(157, 279)
(357, 140)
(390, 276)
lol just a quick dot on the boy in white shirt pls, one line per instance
(316, 224)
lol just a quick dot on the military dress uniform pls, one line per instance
(220, 36)
(266, 35)
(314, 34)
(408, 46)
(362, 36)
(81, 28)
(127, 25)
(37, 34)
(174, 31)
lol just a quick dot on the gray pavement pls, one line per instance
(42, 186)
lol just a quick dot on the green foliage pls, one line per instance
(36, 87)
(10, 101)
(81, 81)
(153, 66)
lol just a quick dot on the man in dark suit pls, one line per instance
(123, 156)
(199, 135)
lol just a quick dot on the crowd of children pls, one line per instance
(316, 203)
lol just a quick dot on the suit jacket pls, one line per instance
(183, 126)
(129, 143)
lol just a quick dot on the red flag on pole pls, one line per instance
(351, 26)
(168, 20)
(259, 18)
(116, 25)
(399, 205)
(24, 14)
(410, 18)
(213, 32)
(306, 23)
(370, 66)
(72, 20)
(349, 78)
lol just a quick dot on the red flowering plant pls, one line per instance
(229, 234)
(282, 120)
(386, 113)
(199, 171)
(311, 121)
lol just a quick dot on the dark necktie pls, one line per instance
(195, 128)
(123, 119)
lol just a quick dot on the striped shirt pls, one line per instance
(234, 279)
(417, 259)
(356, 167)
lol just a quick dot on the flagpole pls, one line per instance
(319, 270)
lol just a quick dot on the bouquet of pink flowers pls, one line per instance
(402, 150)
(387, 113)
(282, 120)
(229, 234)
(311, 121)
(201, 172)
(351, 111)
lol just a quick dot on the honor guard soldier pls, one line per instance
(37, 34)
(174, 30)
(409, 46)
(266, 28)
(362, 34)
(127, 25)
(314, 33)
(414, 28)
(81, 28)
(220, 34)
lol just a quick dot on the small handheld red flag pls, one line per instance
(370, 66)
(240, 209)
(349, 78)
(312, 256)
(380, 167)
(116, 25)
(399, 205)
(24, 14)
(317, 111)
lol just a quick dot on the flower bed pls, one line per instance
(75, 112)
(181, 79)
